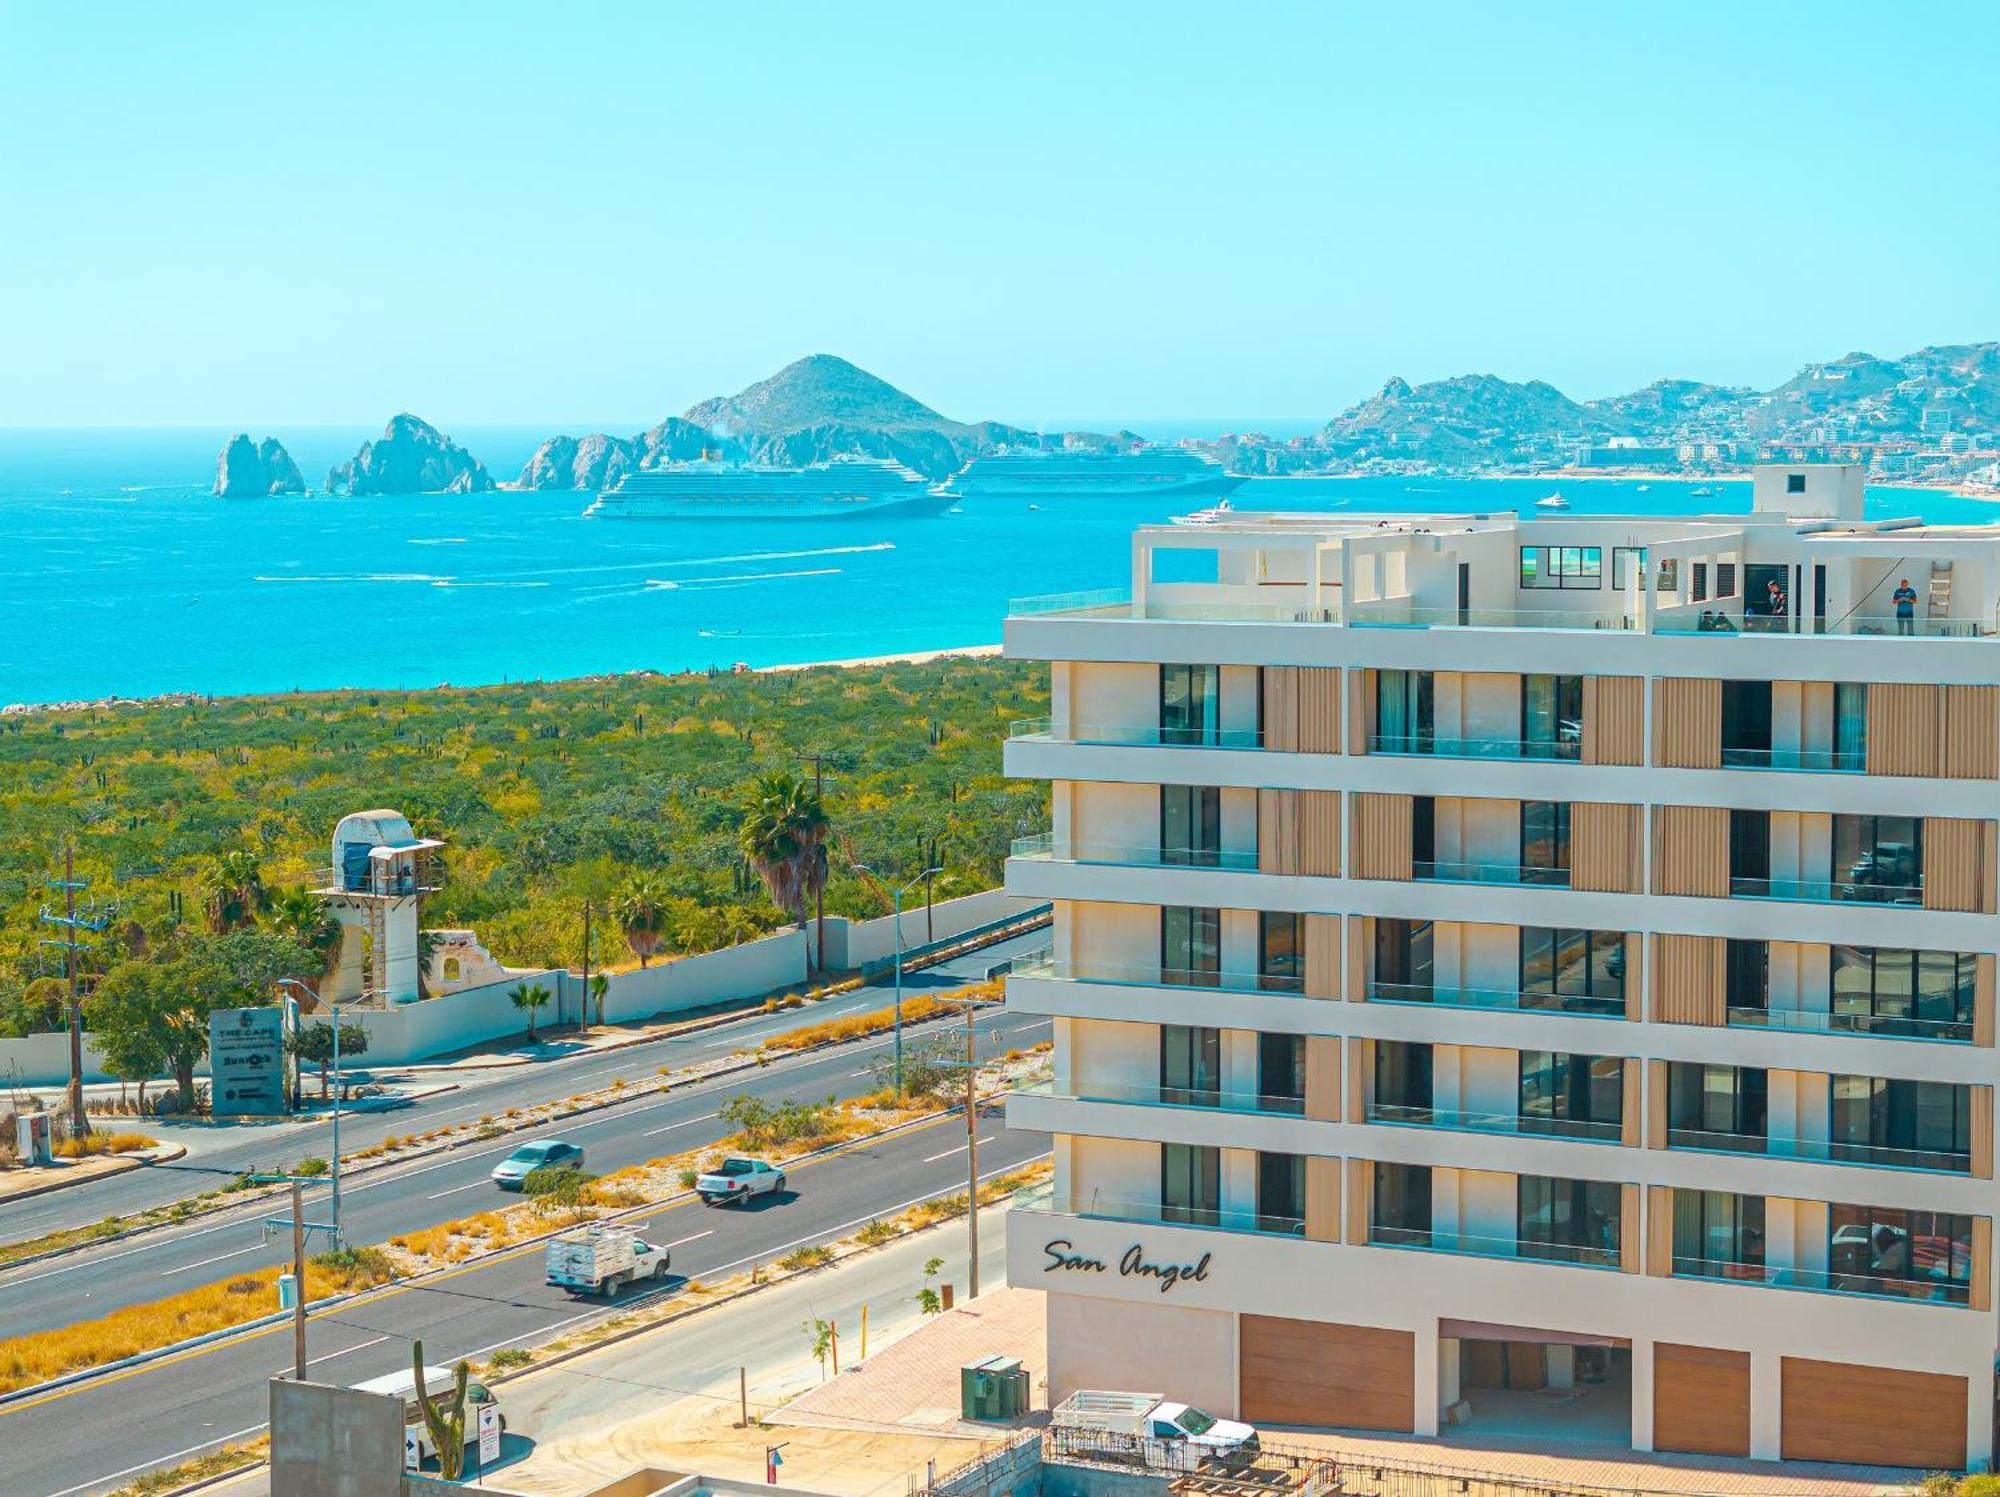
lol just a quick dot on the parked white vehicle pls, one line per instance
(601, 1259)
(737, 1179)
(438, 1382)
(1146, 1429)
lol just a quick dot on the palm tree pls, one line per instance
(233, 891)
(641, 912)
(600, 985)
(528, 999)
(302, 915)
(784, 839)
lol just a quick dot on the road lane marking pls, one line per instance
(688, 1123)
(358, 1346)
(934, 1158)
(98, 1482)
(696, 1238)
(458, 1189)
(168, 1273)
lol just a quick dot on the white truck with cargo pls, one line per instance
(1144, 1429)
(601, 1259)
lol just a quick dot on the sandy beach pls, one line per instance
(912, 657)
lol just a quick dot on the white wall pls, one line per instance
(855, 943)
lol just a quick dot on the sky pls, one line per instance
(594, 215)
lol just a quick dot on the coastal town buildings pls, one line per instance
(1533, 975)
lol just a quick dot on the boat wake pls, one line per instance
(713, 561)
(669, 584)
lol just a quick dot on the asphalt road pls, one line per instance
(278, 1146)
(91, 1437)
(378, 1205)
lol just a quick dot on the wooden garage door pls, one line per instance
(1311, 1372)
(1701, 1399)
(1835, 1411)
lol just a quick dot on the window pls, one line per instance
(1281, 1193)
(1189, 704)
(1401, 1210)
(1281, 1072)
(1562, 567)
(1551, 717)
(1747, 974)
(1191, 825)
(1878, 858)
(1572, 1096)
(1891, 990)
(1582, 971)
(1795, 483)
(1402, 1082)
(1698, 581)
(1281, 952)
(1850, 725)
(1190, 1065)
(1919, 1254)
(1190, 945)
(1925, 1125)
(1717, 1107)
(1190, 1183)
(1670, 575)
(1750, 852)
(1405, 712)
(1545, 842)
(1423, 835)
(1718, 1235)
(1746, 724)
(1403, 966)
(1725, 579)
(1570, 1221)
(1623, 560)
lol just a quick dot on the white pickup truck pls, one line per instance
(599, 1259)
(737, 1179)
(1146, 1429)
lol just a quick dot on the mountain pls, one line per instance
(813, 409)
(410, 457)
(1460, 416)
(255, 468)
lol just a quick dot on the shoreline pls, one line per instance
(1622, 475)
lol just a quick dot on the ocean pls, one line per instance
(124, 578)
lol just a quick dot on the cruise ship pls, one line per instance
(1145, 472)
(846, 487)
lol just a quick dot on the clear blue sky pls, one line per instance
(579, 215)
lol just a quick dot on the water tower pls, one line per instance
(381, 871)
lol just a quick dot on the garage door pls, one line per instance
(1313, 1372)
(1701, 1399)
(1835, 1411)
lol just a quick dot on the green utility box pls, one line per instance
(993, 1389)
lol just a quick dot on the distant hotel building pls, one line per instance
(1495, 955)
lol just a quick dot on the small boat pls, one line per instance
(1645, 488)
(1033, 507)
(1213, 516)
(1704, 492)
(956, 509)
(1554, 501)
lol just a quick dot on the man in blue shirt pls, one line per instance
(1906, 608)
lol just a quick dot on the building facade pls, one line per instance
(1528, 974)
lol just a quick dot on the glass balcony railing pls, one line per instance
(1044, 847)
(1821, 1150)
(1595, 1005)
(1044, 1197)
(1441, 872)
(1428, 746)
(1140, 735)
(1876, 1026)
(1406, 1115)
(1049, 969)
(1117, 603)
(1825, 891)
(1205, 1098)
(1821, 761)
(1430, 1240)
(1941, 1290)
(1751, 626)
(1395, 613)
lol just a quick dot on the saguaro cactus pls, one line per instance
(444, 1418)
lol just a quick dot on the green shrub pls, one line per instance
(560, 1185)
(311, 1165)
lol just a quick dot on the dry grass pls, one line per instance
(859, 1026)
(25, 1360)
(216, 1463)
(95, 1143)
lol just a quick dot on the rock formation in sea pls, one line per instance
(598, 461)
(410, 457)
(255, 469)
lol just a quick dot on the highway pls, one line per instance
(91, 1437)
(278, 1146)
(377, 1205)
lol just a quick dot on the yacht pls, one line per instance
(1554, 501)
(842, 488)
(1124, 473)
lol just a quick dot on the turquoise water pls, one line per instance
(123, 578)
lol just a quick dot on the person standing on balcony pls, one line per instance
(1906, 607)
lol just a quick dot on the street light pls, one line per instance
(338, 1086)
(898, 897)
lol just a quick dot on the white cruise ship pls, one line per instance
(1139, 473)
(845, 487)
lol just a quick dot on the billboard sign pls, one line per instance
(246, 1062)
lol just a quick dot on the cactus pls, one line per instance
(444, 1418)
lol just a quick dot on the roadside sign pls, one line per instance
(489, 1434)
(246, 1061)
(413, 1455)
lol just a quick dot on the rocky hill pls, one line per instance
(410, 457)
(256, 469)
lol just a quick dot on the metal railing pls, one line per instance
(1045, 847)
(1825, 891)
(1443, 872)
(1429, 746)
(1152, 976)
(1140, 735)
(1943, 1289)
(1591, 1005)
(1518, 1123)
(1431, 1240)
(1043, 1197)
(1876, 1026)
(1207, 1099)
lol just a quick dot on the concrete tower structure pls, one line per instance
(381, 870)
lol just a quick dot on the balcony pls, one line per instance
(1428, 746)
(1117, 603)
(1820, 1151)
(1400, 613)
(1097, 1207)
(1876, 625)
(1403, 1115)
(1200, 1098)
(1048, 969)
(1814, 761)
(1139, 735)
(1044, 847)
(1826, 891)
(1590, 1005)
(1941, 1290)
(1434, 871)
(1874, 1026)
(1426, 1239)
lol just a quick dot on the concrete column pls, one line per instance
(1766, 1405)
(1979, 1419)
(1642, 1393)
(1142, 572)
(1444, 1205)
(1782, 1111)
(1060, 672)
(1448, 1389)
(1426, 1360)
(1561, 1361)
(1447, 1082)
(1239, 1064)
(1239, 1181)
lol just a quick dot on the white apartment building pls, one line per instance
(1527, 975)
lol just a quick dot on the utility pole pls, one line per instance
(972, 1158)
(930, 872)
(586, 966)
(819, 892)
(70, 922)
(298, 1284)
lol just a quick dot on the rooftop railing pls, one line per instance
(1044, 1197)
(1876, 1026)
(1049, 969)
(1942, 1289)
(1394, 613)
(1594, 1005)
(1118, 603)
(1578, 1254)
(1752, 626)
(1045, 847)
(1406, 1115)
